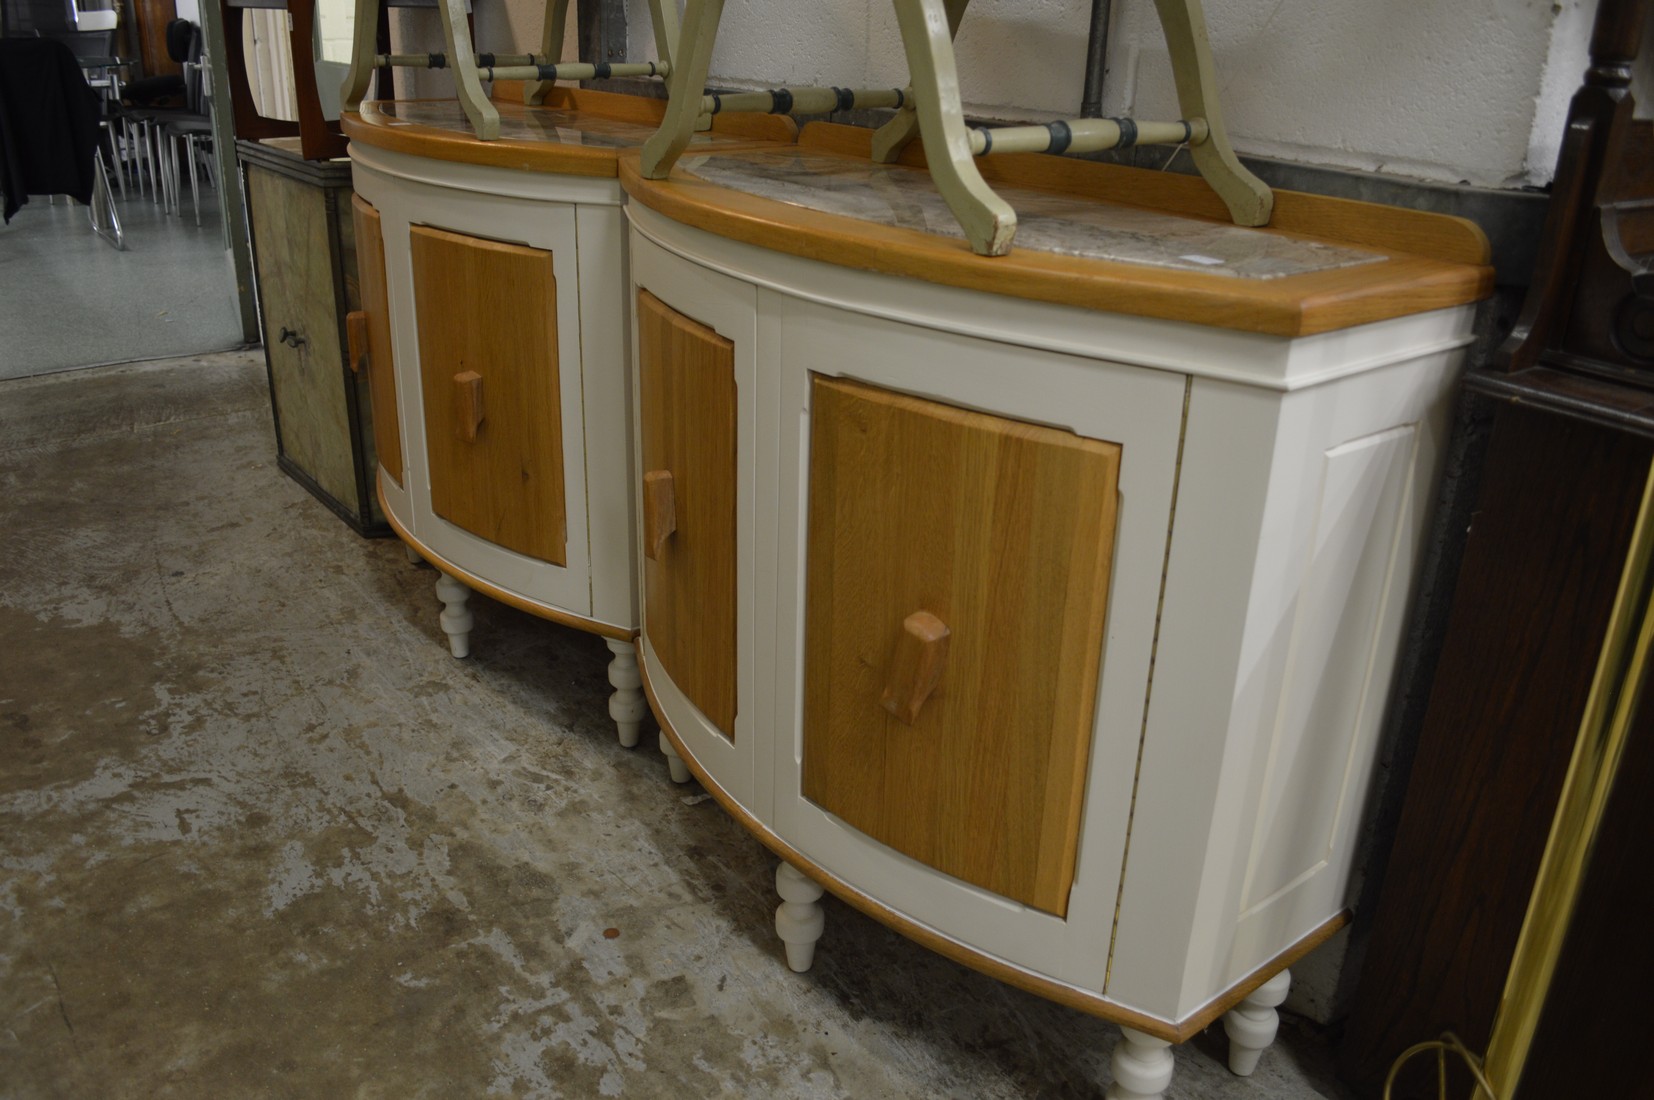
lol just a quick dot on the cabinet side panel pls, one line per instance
(1332, 702)
(1002, 532)
(687, 396)
(296, 289)
(375, 302)
(487, 324)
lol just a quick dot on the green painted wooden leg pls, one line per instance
(988, 220)
(890, 139)
(664, 15)
(684, 87)
(1249, 200)
(551, 45)
(456, 34)
(362, 48)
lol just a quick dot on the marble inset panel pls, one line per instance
(906, 198)
(521, 123)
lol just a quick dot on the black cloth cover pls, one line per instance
(48, 123)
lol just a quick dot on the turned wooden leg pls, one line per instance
(413, 555)
(456, 620)
(1142, 1066)
(799, 919)
(1252, 1024)
(680, 770)
(627, 706)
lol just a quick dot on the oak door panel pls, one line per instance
(956, 587)
(487, 324)
(375, 302)
(687, 396)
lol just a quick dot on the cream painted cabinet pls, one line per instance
(1062, 637)
(510, 466)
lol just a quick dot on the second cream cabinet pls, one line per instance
(1060, 636)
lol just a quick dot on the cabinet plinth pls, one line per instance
(1001, 532)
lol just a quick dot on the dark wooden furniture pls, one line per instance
(304, 251)
(319, 138)
(1544, 564)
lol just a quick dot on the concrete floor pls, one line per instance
(261, 836)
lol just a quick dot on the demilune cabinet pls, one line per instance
(1057, 640)
(493, 340)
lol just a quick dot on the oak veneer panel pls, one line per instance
(686, 378)
(490, 308)
(370, 276)
(1004, 531)
(1540, 571)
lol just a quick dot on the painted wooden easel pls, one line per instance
(539, 71)
(930, 108)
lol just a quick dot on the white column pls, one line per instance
(1252, 1024)
(455, 619)
(627, 706)
(799, 919)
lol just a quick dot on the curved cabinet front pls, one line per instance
(1015, 599)
(505, 305)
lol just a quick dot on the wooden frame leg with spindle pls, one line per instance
(551, 46)
(1249, 199)
(890, 139)
(988, 220)
(690, 65)
(456, 39)
(362, 52)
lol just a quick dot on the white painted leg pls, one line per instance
(1142, 1067)
(413, 555)
(680, 770)
(799, 918)
(627, 706)
(1252, 1024)
(456, 620)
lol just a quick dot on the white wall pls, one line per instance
(1442, 91)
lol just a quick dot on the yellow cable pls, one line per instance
(1447, 1042)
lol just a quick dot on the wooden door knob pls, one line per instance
(467, 405)
(356, 338)
(916, 668)
(660, 512)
